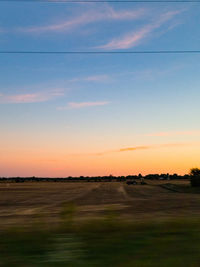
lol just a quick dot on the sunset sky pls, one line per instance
(99, 114)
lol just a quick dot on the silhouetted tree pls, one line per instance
(195, 177)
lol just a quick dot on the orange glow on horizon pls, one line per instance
(161, 160)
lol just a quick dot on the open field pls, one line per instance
(25, 202)
(99, 224)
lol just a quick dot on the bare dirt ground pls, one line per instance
(25, 202)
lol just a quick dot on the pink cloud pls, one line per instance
(30, 98)
(107, 13)
(134, 38)
(75, 105)
(112, 14)
(63, 26)
(22, 98)
(178, 133)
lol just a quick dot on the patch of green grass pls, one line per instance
(105, 242)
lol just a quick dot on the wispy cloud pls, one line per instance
(149, 74)
(176, 133)
(136, 148)
(58, 27)
(107, 13)
(110, 13)
(151, 147)
(132, 148)
(134, 38)
(23, 98)
(77, 105)
(98, 78)
(30, 97)
(93, 78)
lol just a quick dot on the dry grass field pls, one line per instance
(25, 202)
(99, 224)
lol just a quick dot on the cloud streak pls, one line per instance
(98, 78)
(92, 16)
(134, 38)
(78, 105)
(177, 133)
(30, 97)
(93, 78)
(136, 148)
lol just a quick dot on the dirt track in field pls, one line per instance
(24, 202)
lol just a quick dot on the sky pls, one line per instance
(102, 114)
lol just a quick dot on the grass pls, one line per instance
(105, 242)
(20, 203)
(63, 234)
(181, 188)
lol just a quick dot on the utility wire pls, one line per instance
(104, 1)
(102, 52)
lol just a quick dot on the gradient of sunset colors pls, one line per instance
(72, 115)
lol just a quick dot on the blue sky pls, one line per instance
(80, 104)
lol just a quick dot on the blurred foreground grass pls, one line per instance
(106, 242)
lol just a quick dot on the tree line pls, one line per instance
(110, 178)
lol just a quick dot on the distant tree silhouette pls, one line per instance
(195, 177)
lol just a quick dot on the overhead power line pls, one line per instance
(103, 1)
(103, 52)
